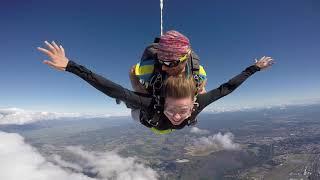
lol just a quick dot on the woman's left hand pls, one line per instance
(264, 62)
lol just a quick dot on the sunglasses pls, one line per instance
(173, 63)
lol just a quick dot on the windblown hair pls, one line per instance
(180, 87)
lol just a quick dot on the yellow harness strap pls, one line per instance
(157, 131)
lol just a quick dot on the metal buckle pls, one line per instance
(152, 123)
(157, 107)
(156, 81)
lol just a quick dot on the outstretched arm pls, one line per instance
(232, 84)
(60, 62)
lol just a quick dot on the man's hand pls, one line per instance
(57, 55)
(136, 85)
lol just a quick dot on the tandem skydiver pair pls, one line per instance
(168, 83)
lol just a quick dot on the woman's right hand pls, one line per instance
(57, 55)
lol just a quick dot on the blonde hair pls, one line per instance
(180, 87)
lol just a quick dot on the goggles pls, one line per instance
(173, 63)
(183, 112)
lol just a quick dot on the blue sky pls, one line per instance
(109, 36)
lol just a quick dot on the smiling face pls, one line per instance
(179, 93)
(177, 110)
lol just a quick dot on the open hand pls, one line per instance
(57, 55)
(264, 62)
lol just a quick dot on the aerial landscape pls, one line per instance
(271, 143)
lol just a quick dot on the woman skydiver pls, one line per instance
(180, 107)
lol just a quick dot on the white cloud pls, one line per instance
(205, 145)
(65, 164)
(220, 108)
(109, 165)
(20, 116)
(197, 130)
(20, 161)
(182, 160)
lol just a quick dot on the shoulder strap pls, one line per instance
(194, 61)
(195, 68)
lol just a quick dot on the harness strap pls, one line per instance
(156, 83)
(195, 67)
(193, 121)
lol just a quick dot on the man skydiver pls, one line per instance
(170, 55)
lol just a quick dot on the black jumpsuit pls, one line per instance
(145, 102)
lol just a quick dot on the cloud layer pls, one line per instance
(197, 130)
(20, 116)
(205, 145)
(221, 108)
(19, 160)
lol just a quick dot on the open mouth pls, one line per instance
(176, 121)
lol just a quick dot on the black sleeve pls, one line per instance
(226, 88)
(132, 99)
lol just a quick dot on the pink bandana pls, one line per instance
(172, 46)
